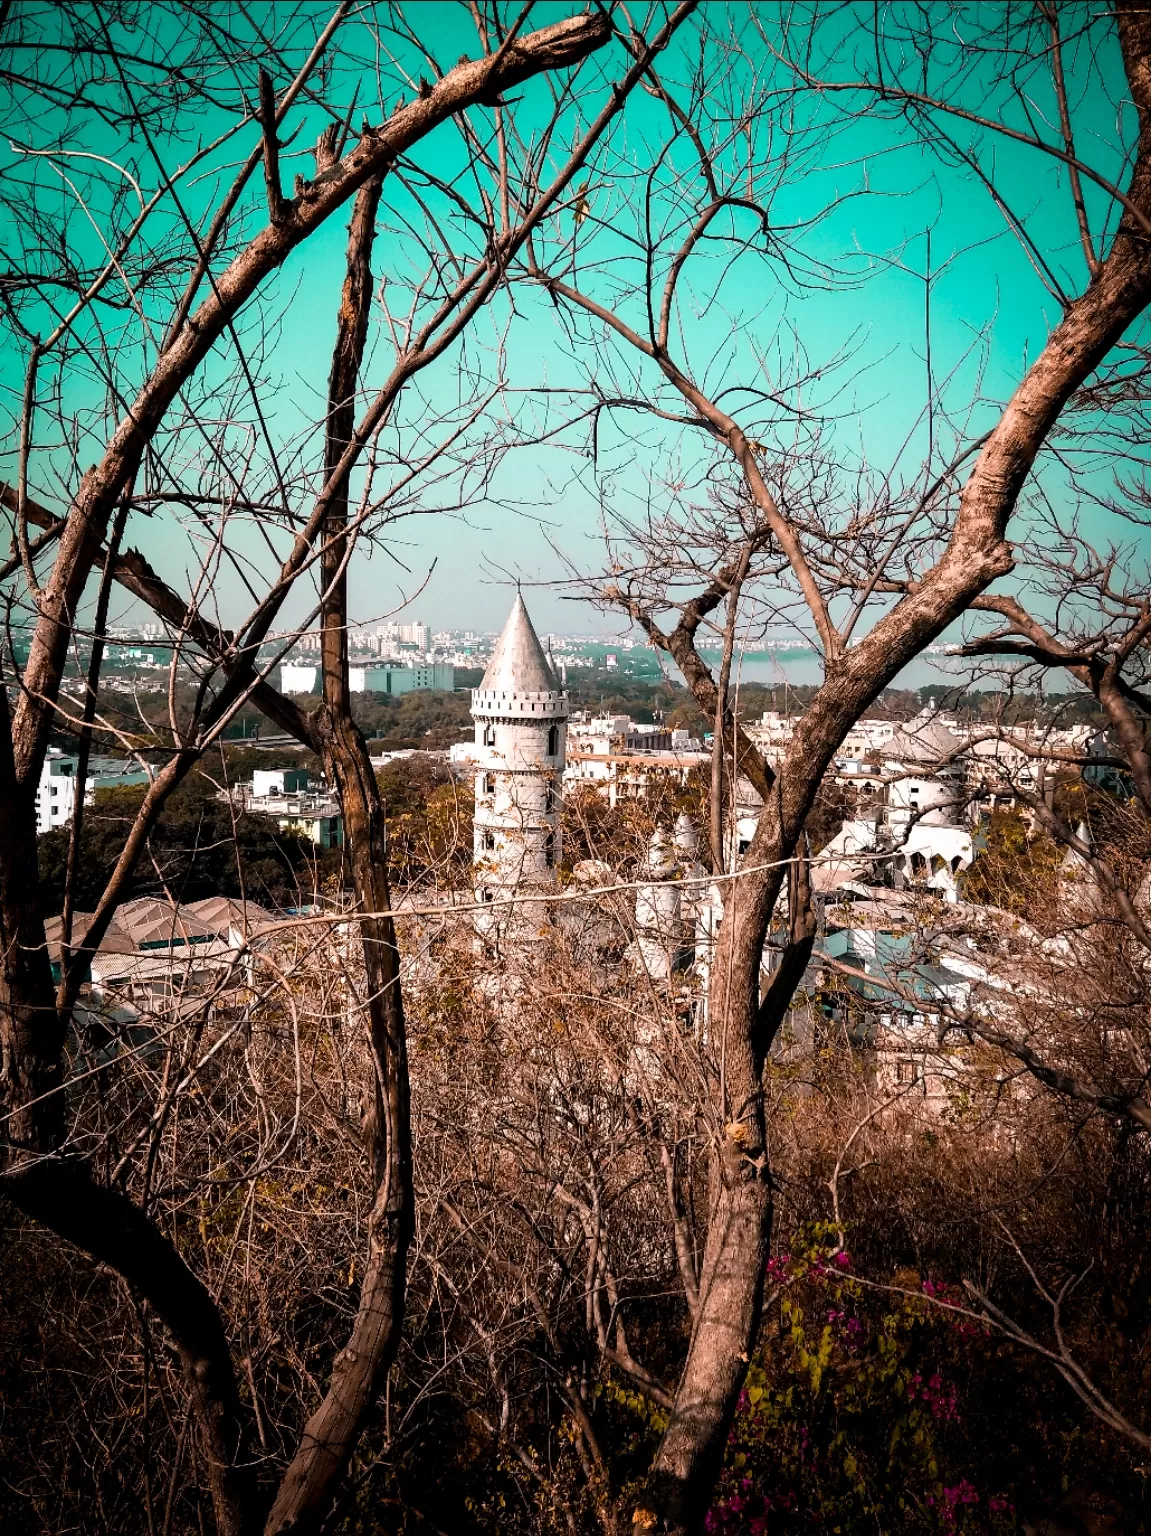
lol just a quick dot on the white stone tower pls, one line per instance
(521, 714)
(658, 923)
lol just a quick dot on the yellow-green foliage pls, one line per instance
(851, 1416)
(1013, 866)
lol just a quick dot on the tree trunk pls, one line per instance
(690, 1454)
(60, 1193)
(358, 1374)
(31, 1036)
(310, 1484)
(32, 1025)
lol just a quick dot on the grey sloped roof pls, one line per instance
(220, 913)
(114, 942)
(518, 663)
(922, 741)
(151, 921)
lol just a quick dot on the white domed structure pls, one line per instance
(521, 712)
(923, 799)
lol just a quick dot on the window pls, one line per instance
(489, 735)
(553, 740)
(552, 798)
(908, 1073)
(486, 896)
(487, 839)
(550, 849)
(487, 784)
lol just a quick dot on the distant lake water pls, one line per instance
(800, 665)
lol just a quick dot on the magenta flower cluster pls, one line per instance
(778, 1268)
(745, 1510)
(963, 1326)
(938, 1395)
(849, 1326)
(952, 1500)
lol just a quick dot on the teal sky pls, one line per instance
(851, 309)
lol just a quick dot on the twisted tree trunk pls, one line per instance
(690, 1455)
(309, 1486)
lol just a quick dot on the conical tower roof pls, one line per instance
(518, 663)
(922, 740)
(1074, 863)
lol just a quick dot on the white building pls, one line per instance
(771, 733)
(56, 791)
(279, 781)
(298, 678)
(634, 775)
(922, 799)
(289, 797)
(598, 733)
(392, 635)
(867, 736)
(439, 677)
(521, 715)
(624, 759)
(932, 854)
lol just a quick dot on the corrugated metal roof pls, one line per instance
(221, 913)
(114, 942)
(149, 921)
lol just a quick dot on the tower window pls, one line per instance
(487, 839)
(550, 850)
(489, 735)
(487, 784)
(553, 740)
